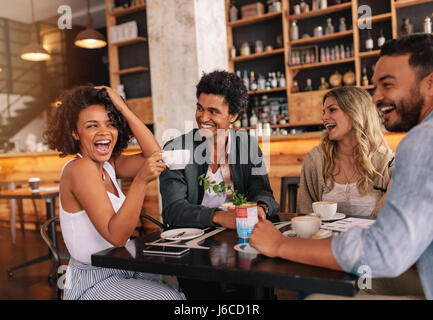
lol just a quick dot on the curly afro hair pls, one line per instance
(58, 136)
(225, 84)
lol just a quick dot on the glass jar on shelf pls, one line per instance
(329, 27)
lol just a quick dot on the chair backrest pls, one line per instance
(51, 223)
(289, 191)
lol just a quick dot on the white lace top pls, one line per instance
(354, 204)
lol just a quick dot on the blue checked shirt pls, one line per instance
(403, 232)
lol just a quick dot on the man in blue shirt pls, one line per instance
(403, 232)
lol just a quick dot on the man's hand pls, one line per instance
(266, 238)
(226, 219)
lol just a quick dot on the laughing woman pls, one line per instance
(352, 165)
(95, 124)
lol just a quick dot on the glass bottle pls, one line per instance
(342, 27)
(295, 87)
(323, 4)
(233, 11)
(253, 82)
(246, 80)
(364, 77)
(323, 84)
(261, 82)
(406, 28)
(342, 52)
(381, 39)
(369, 42)
(274, 81)
(253, 119)
(294, 31)
(329, 27)
(309, 87)
(427, 25)
(282, 81)
(245, 118)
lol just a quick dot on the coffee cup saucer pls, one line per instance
(321, 234)
(336, 216)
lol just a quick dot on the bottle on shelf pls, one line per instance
(369, 42)
(342, 52)
(329, 27)
(253, 82)
(323, 84)
(261, 83)
(253, 119)
(294, 31)
(246, 80)
(308, 87)
(381, 39)
(337, 52)
(406, 28)
(282, 81)
(234, 12)
(365, 82)
(274, 81)
(295, 87)
(245, 118)
(323, 4)
(348, 53)
(427, 25)
(322, 55)
(342, 26)
(268, 82)
(304, 6)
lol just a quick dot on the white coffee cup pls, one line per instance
(306, 226)
(176, 159)
(325, 209)
(34, 184)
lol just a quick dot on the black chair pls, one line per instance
(289, 191)
(143, 216)
(57, 257)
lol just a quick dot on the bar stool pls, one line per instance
(289, 190)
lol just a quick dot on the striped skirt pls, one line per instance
(86, 282)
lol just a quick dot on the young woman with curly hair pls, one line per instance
(96, 124)
(352, 165)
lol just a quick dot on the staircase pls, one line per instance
(29, 87)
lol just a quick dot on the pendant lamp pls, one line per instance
(90, 38)
(34, 51)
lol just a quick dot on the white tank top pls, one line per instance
(79, 234)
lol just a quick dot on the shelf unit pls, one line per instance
(141, 104)
(387, 13)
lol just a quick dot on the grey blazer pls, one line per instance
(180, 190)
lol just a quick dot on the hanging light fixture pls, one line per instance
(90, 38)
(34, 51)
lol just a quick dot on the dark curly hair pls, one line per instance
(226, 84)
(58, 136)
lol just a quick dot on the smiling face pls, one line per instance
(338, 123)
(96, 133)
(212, 114)
(397, 93)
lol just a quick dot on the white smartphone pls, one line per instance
(165, 250)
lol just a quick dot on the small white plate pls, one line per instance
(245, 248)
(181, 234)
(337, 216)
(321, 234)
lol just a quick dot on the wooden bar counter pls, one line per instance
(287, 153)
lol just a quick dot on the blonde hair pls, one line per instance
(366, 127)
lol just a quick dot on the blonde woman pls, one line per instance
(353, 163)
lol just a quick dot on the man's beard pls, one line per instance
(409, 112)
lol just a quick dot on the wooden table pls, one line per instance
(26, 193)
(218, 261)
